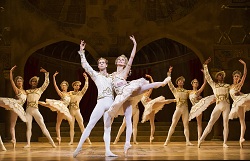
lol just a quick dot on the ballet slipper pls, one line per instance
(116, 140)
(166, 143)
(151, 139)
(135, 142)
(199, 143)
(27, 146)
(76, 152)
(89, 142)
(70, 143)
(127, 146)
(166, 80)
(110, 154)
(52, 144)
(59, 140)
(241, 142)
(225, 145)
(189, 144)
(13, 143)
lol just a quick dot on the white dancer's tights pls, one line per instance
(99, 111)
(180, 111)
(241, 114)
(152, 123)
(214, 117)
(199, 125)
(13, 118)
(34, 112)
(128, 117)
(148, 86)
(1, 144)
(76, 115)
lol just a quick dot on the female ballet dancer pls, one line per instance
(61, 106)
(135, 115)
(105, 98)
(199, 104)
(2, 146)
(181, 95)
(15, 105)
(33, 96)
(128, 93)
(221, 93)
(241, 102)
(74, 109)
(152, 106)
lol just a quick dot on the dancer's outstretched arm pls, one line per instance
(46, 81)
(59, 92)
(86, 85)
(244, 74)
(16, 90)
(203, 85)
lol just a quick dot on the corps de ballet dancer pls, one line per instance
(151, 107)
(33, 96)
(199, 104)
(241, 101)
(15, 105)
(60, 106)
(105, 98)
(135, 116)
(128, 93)
(221, 93)
(181, 95)
(74, 108)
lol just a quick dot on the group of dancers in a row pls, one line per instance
(117, 96)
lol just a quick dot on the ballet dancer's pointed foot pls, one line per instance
(89, 142)
(225, 145)
(199, 143)
(3, 148)
(27, 146)
(52, 144)
(166, 80)
(110, 154)
(126, 148)
(189, 144)
(59, 140)
(70, 143)
(135, 142)
(116, 140)
(166, 143)
(76, 152)
(241, 142)
(13, 143)
(151, 139)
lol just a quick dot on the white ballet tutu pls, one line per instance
(127, 90)
(15, 106)
(57, 105)
(242, 101)
(201, 106)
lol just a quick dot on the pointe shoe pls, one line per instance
(189, 144)
(151, 139)
(110, 154)
(199, 143)
(76, 152)
(241, 143)
(13, 143)
(116, 140)
(3, 148)
(53, 144)
(135, 142)
(89, 142)
(59, 140)
(166, 80)
(225, 145)
(70, 143)
(27, 146)
(166, 143)
(126, 148)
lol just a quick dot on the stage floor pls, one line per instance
(209, 150)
